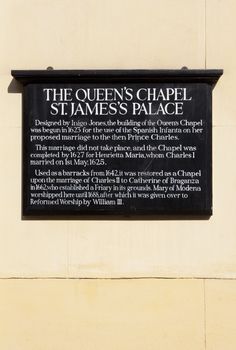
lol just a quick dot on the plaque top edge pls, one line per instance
(209, 76)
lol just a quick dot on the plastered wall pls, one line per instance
(195, 310)
(118, 34)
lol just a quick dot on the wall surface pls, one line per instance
(118, 34)
(151, 312)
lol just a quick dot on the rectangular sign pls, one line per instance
(117, 148)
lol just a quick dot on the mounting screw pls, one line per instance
(50, 68)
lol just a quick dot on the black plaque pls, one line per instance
(117, 142)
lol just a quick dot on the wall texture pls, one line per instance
(151, 313)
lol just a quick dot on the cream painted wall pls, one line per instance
(117, 314)
(35, 34)
(102, 315)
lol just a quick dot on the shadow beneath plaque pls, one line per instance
(15, 87)
(103, 217)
